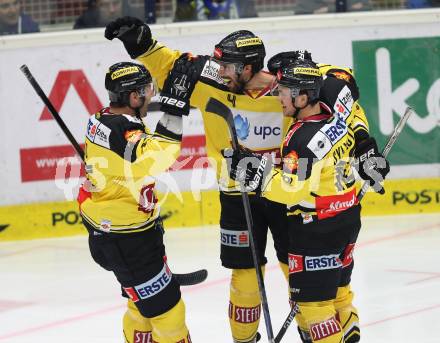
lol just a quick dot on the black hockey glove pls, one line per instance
(247, 168)
(282, 58)
(370, 164)
(134, 33)
(179, 85)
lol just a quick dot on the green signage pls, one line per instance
(396, 73)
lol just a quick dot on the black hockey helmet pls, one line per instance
(242, 47)
(123, 78)
(301, 75)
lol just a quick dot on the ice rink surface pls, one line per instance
(51, 291)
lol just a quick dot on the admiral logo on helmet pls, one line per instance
(248, 41)
(125, 71)
(307, 71)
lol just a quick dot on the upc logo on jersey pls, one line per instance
(267, 131)
(324, 329)
(316, 263)
(98, 133)
(151, 287)
(242, 127)
(329, 206)
(234, 238)
(295, 263)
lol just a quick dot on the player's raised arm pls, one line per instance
(139, 43)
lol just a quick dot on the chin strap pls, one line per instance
(137, 109)
(298, 109)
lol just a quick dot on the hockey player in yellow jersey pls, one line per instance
(317, 184)
(118, 202)
(234, 76)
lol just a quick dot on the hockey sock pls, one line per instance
(170, 326)
(137, 328)
(318, 319)
(244, 305)
(347, 315)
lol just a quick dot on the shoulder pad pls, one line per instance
(98, 132)
(341, 73)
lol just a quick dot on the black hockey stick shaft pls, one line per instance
(217, 107)
(186, 279)
(391, 140)
(52, 110)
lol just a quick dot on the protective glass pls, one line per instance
(228, 67)
(149, 88)
(294, 92)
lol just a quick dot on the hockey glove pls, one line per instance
(370, 164)
(282, 58)
(178, 87)
(247, 168)
(134, 33)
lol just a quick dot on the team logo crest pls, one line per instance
(341, 75)
(291, 161)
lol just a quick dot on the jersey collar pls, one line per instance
(325, 114)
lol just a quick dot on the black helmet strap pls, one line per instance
(295, 93)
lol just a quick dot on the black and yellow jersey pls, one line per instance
(258, 115)
(330, 87)
(122, 158)
(316, 176)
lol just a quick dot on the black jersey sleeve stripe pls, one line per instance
(163, 132)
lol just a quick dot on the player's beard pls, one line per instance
(235, 86)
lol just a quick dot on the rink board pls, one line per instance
(59, 219)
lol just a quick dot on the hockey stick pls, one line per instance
(186, 279)
(52, 110)
(223, 111)
(396, 132)
(391, 140)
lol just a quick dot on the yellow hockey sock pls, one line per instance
(170, 326)
(244, 306)
(137, 328)
(318, 319)
(347, 314)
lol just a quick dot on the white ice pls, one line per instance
(51, 290)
